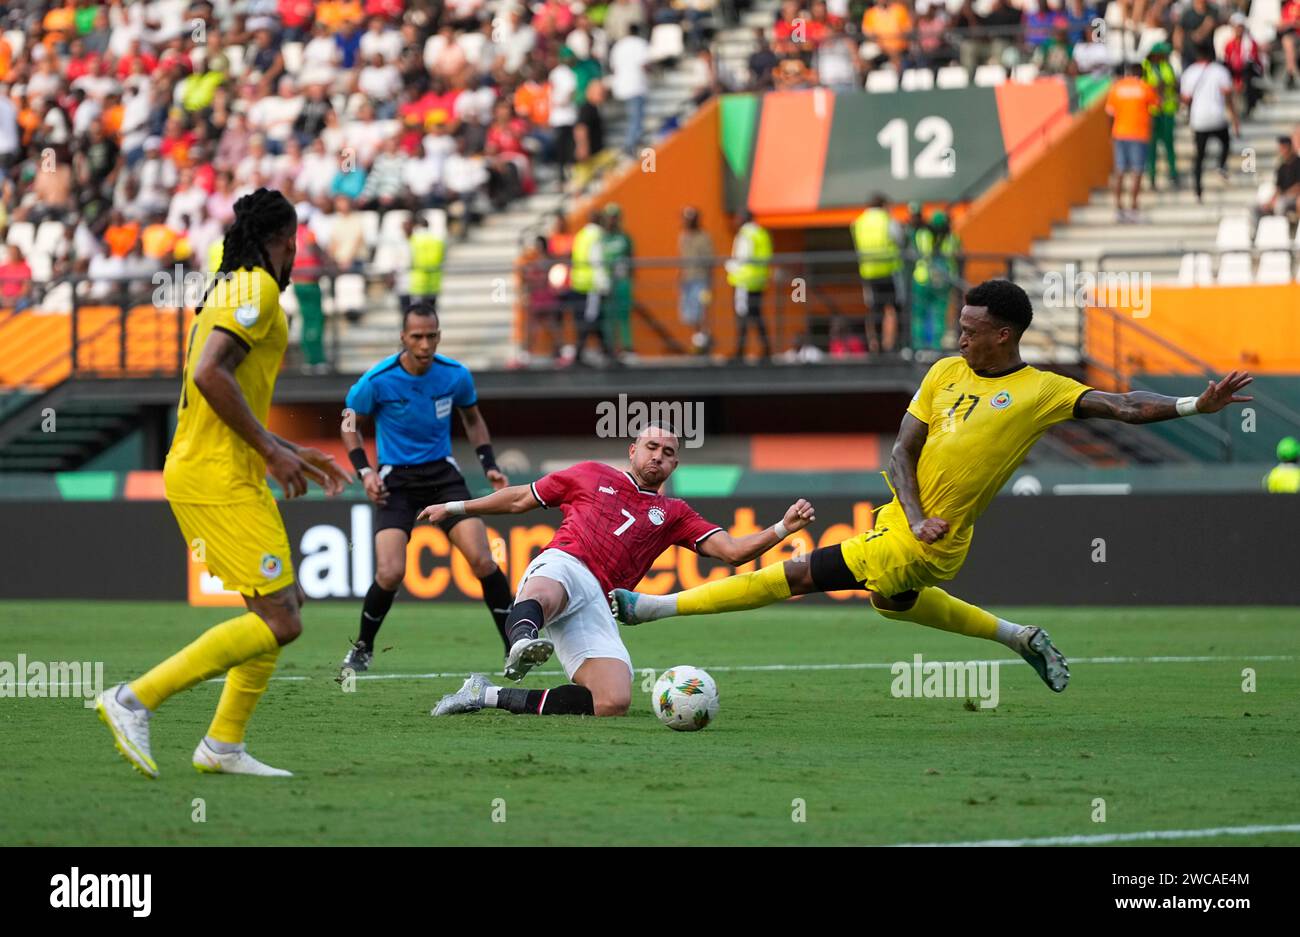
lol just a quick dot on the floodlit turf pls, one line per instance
(1167, 745)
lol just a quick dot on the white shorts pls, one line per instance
(586, 628)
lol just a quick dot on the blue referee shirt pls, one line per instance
(413, 414)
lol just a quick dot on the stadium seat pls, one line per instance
(51, 238)
(1221, 37)
(1025, 74)
(990, 76)
(666, 42)
(1265, 192)
(349, 293)
(58, 298)
(289, 302)
(917, 79)
(869, 51)
(1234, 234)
(437, 221)
(1263, 19)
(882, 81)
(22, 234)
(1274, 267)
(390, 229)
(42, 265)
(1273, 233)
(389, 258)
(292, 53)
(1194, 270)
(952, 76)
(235, 60)
(370, 227)
(1235, 270)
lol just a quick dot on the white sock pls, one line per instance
(490, 696)
(222, 748)
(654, 607)
(131, 701)
(1008, 633)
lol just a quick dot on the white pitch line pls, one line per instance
(1101, 838)
(865, 665)
(764, 668)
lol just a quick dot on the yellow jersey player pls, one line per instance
(967, 429)
(215, 479)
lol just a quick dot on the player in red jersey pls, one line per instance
(616, 523)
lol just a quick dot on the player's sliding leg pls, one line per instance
(602, 686)
(934, 608)
(733, 594)
(478, 692)
(540, 600)
(390, 569)
(470, 537)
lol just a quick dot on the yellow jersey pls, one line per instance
(980, 430)
(208, 463)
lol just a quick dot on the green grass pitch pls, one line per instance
(1168, 745)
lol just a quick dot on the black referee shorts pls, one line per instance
(412, 488)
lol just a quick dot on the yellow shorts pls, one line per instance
(888, 559)
(243, 544)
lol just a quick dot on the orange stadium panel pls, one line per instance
(822, 452)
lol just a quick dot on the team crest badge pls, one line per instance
(247, 315)
(1001, 400)
(656, 516)
(271, 565)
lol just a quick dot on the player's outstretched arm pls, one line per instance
(903, 460)
(1140, 406)
(740, 550)
(513, 500)
(291, 466)
(476, 429)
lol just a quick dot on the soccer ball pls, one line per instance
(685, 698)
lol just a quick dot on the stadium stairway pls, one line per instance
(84, 429)
(477, 301)
(1172, 222)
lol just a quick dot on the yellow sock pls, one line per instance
(935, 608)
(245, 685)
(215, 651)
(749, 590)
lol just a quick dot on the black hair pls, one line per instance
(421, 308)
(258, 216)
(1005, 301)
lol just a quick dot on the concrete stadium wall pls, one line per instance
(1134, 550)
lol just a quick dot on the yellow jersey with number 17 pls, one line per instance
(980, 430)
(208, 462)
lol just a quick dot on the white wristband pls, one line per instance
(779, 528)
(455, 507)
(1186, 406)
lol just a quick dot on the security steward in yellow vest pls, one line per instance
(875, 239)
(590, 280)
(1158, 72)
(933, 276)
(748, 270)
(1284, 479)
(427, 250)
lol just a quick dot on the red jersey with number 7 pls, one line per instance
(614, 526)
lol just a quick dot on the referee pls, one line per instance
(410, 396)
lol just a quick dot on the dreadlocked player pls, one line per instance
(215, 479)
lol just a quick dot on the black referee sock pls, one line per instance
(378, 601)
(567, 700)
(524, 620)
(497, 597)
